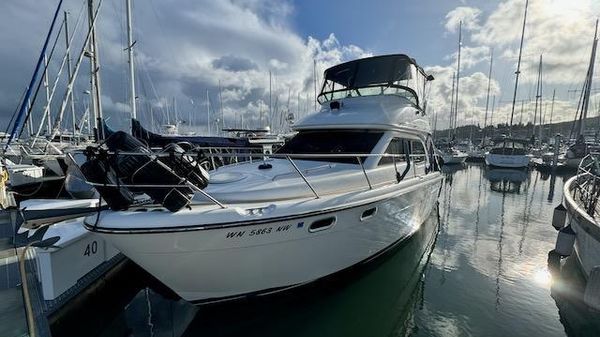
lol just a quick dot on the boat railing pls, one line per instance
(587, 184)
(199, 157)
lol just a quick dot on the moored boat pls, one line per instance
(359, 177)
(581, 196)
(508, 154)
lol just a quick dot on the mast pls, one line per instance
(586, 97)
(16, 129)
(270, 98)
(315, 81)
(95, 74)
(221, 108)
(538, 101)
(130, 44)
(487, 98)
(552, 110)
(70, 74)
(450, 126)
(512, 112)
(457, 75)
(541, 94)
(492, 114)
(207, 112)
(47, 88)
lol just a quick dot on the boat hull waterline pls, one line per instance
(509, 161)
(587, 230)
(212, 264)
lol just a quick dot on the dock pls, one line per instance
(14, 307)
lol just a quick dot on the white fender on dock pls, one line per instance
(565, 241)
(559, 217)
(591, 295)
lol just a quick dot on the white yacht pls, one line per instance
(359, 177)
(508, 154)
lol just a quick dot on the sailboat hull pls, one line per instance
(217, 264)
(509, 161)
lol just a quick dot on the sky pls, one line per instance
(185, 48)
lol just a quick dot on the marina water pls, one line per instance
(478, 267)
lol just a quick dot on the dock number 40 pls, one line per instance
(91, 248)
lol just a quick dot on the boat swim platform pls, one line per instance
(13, 309)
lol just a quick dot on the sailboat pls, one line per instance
(581, 148)
(510, 152)
(357, 179)
(447, 151)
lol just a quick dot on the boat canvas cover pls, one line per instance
(156, 140)
(371, 71)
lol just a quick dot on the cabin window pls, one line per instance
(332, 142)
(396, 147)
(417, 151)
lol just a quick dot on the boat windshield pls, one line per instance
(509, 148)
(332, 142)
(380, 75)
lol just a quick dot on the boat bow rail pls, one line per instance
(585, 187)
(198, 156)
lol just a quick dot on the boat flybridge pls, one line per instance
(359, 177)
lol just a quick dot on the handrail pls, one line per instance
(587, 183)
(154, 155)
(303, 177)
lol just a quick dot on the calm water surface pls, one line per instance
(478, 267)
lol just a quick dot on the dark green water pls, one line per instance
(478, 267)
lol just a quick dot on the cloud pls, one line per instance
(468, 15)
(561, 30)
(184, 49)
(234, 63)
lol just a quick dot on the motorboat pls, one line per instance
(358, 178)
(508, 153)
(581, 195)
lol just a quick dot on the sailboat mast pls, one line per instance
(586, 97)
(541, 94)
(207, 112)
(70, 74)
(487, 98)
(315, 81)
(457, 75)
(95, 74)
(47, 88)
(221, 109)
(130, 44)
(538, 102)
(450, 126)
(512, 112)
(552, 110)
(270, 98)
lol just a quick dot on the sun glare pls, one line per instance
(542, 277)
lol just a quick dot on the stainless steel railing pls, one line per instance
(587, 184)
(203, 156)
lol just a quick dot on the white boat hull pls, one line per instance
(587, 231)
(207, 265)
(454, 159)
(509, 161)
